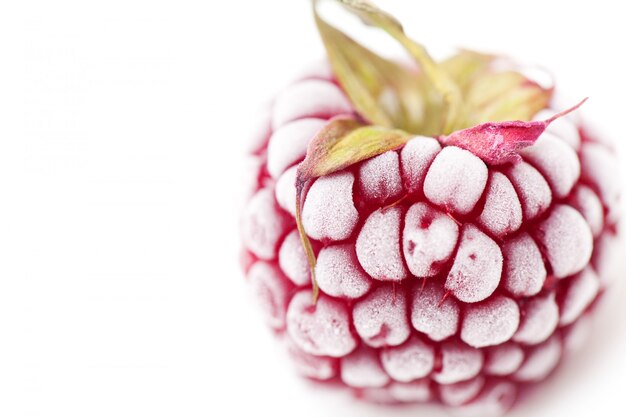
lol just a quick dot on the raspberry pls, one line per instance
(448, 271)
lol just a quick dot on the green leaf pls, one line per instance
(464, 66)
(491, 94)
(382, 92)
(440, 81)
(341, 143)
(500, 96)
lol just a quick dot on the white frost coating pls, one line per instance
(288, 144)
(589, 205)
(378, 245)
(540, 361)
(477, 267)
(293, 260)
(380, 318)
(338, 273)
(271, 291)
(416, 156)
(379, 178)
(415, 391)
(410, 361)
(600, 168)
(494, 401)
(328, 212)
(456, 180)
(432, 317)
(459, 363)
(311, 366)
(563, 128)
(322, 329)
(556, 160)
(579, 295)
(567, 240)
(262, 224)
(461, 392)
(532, 189)
(428, 240)
(490, 323)
(503, 359)
(362, 369)
(524, 271)
(286, 190)
(309, 98)
(502, 213)
(540, 320)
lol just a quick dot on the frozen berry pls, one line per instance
(413, 236)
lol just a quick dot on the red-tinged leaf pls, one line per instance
(500, 142)
(341, 143)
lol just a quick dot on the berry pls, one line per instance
(409, 264)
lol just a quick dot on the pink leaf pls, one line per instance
(497, 143)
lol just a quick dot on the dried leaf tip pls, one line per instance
(565, 112)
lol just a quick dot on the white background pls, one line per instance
(121, 128)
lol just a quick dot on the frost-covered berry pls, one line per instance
(461, 392)
(524, 272)
(477, 267)
(380, 318)
(329, 212)
(540, 318)
(503, 359)
(378, 245)
(459, 362)
(429, 239)
(412, 360)
(411, 257)
(339, 274)
(432, 266)
(455, 180)
(432, 313)
(490, 323)
(322, 328)
(362, 369)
